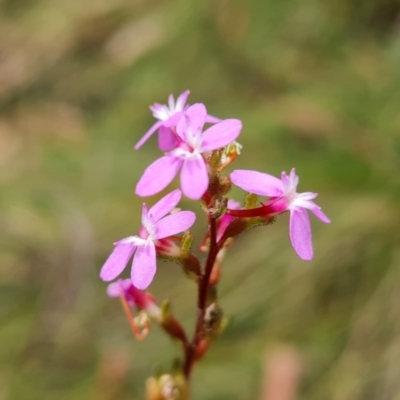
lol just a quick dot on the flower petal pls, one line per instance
(302, 202)
(257, 182)
(300, 233)
(190, 127)
(165, 205)
(234, 205)
(174, 223)
(316, 210)
(294, 179)
(173, 120)
(144, 266)
(194, 178)
(221, 134)
(167, 139)
(210, 119)
(117, 261)
(306, 196)
(197, 114)
(171, 102)
(130, 240)
(148, 134)
(290, 181)
(147, 222)
(181, 100)
(118, 288)
(158, 176)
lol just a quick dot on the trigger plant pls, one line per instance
(197, 147)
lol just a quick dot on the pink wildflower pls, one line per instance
(155, 225)
(283, 198)
(188, 154)
(132, 295)
(168, 117)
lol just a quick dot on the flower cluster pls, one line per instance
(199, 146)
(188, 148)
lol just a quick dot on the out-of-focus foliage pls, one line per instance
(317, 85)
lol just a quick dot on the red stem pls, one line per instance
(203, 285)
(262, 211)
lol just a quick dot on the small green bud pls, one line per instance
(186, 242)
(251, 201)
(215, 159)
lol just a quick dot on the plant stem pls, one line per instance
(203, 286)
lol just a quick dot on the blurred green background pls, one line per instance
(317, 86)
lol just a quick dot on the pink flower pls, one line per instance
(168, 117)
(155, 225)
(132, 295)
(283, 198)
(188, 154)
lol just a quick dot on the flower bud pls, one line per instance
(186, 242)
(167, 387)
(213, 319)
(229, 154)
(142, 320)
(214, 160)
(191, 266)
(202, 348)
(171, 325)
(168, 248)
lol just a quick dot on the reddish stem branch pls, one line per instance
(212, 255)
(203, 286)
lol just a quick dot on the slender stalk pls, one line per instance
(203, 286)
(212, 255)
